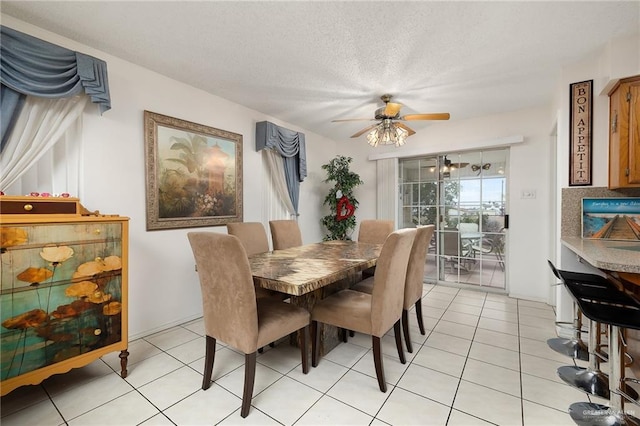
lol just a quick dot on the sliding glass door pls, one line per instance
(464, 195)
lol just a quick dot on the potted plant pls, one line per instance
(341, 222)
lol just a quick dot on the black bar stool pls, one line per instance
(574, 347)
(618, 310)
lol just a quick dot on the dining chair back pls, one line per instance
(252, 235)
(415, 279)
(231, 311)
(376, 313)
(285, 234)
(374, 231)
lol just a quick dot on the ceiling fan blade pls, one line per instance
(433, 116)
(363, 131)
(407, 128)
(353, 119)
(391, 109)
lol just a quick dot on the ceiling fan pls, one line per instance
(389, 130)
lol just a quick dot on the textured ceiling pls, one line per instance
(308, 63)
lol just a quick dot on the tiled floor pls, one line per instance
(483, 361)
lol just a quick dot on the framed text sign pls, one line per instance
(581, 120)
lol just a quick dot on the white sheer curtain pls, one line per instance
(40, 125)
(275, 166)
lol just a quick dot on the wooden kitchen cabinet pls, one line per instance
(63, 294)
(624, 134)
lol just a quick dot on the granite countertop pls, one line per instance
(620, 256)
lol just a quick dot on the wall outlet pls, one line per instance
(528, 194)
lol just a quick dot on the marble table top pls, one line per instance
(300, 270)
(610, 255)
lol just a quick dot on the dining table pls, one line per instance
(311, 272)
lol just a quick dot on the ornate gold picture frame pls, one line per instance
(194, 174)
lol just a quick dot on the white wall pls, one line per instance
(528, 235)
(163, 286)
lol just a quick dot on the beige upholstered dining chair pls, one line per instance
(231, 311)
(374, 231)
(375, 313)
(413, 281)
(252, 235)
(285, 234)
(253, 238)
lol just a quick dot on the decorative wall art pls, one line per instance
(611, 218)
(581, 120)
(194, 174)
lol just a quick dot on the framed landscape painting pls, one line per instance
(193, 172)
(611, 218)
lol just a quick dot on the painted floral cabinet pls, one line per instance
(63, 296)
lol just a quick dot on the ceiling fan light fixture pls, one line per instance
(387, 133)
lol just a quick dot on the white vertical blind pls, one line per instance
(387, 189)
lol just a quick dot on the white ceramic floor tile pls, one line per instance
(345, 354)
(255, 418)
(539, 415)
(500, 306)
(225, 362)
(465, 309)
(360, 391)
(171, 388)
(80, 399)
(234, 381)
(190, 351)
(465, 300)
(541, 349)
(488, 404)
(59, 383)
(534, 304)
(278, 402)
(551, 394)
(543, 313)
(329, 411)
(153, 368)
(492, 376)
(429, 383)
(541, 367)
(393, 369)
(205, 407)
(495, 355)
(448, 343)
(442, 361)
(502, 340)
(197, 326)
(455, 329)
(20, 398)
(129, 409)
(283, 358)
(171, 338)
(138, 350)
(157, 420)
(360, 339)
(533, 332)
(498, 325)
(322, 377)
(42, 413)
(500, 315)
(458, 418)
(460, 318)
(406, 408)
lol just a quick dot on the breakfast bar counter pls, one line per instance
(608, 255)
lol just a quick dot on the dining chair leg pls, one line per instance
(315, 343)
(249, 379)
(304, 337)
(405, 329)
(419, 316)
(210, 355)
(343, 334)
(377, 360)
(398, 333)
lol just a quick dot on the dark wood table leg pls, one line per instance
(124, 358)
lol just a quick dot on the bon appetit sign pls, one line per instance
(580, 153)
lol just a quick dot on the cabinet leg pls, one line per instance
(124, 358)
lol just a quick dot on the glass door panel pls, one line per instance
(464, 195)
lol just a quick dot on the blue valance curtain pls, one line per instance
(30, 66)
(291, 146)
